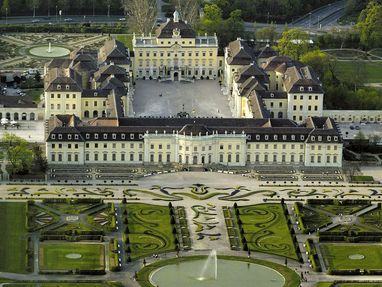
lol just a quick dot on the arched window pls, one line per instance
(16, 116)
(86, 114)
(280, 115)
(32, 117)
(24, 116)
(95, 114)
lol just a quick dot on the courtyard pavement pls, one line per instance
(32, 131)
(202, 98)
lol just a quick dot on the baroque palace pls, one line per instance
(276, 105)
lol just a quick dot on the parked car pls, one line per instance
(122, 19)
(68, 20)
(36, 20)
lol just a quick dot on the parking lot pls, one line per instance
(200, 99)
(349, 131)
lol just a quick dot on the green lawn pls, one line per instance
(324, 284)
(52, 256)
(336, 256)
(150, 230)
(362, 178)
(328, 284)
(127, 40)
(13, 241)
(372, 70)
(266, 229)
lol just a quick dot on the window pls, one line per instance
(59, 157)
(113, 157)
(335, 159)
(283, 158)
(301, 97)
(87, 156)
(69, 157)
(140, 157)
(131, 136)
(275, 158)
(301, 158)
(105, 157)
(257, 157)
(104, 136)
(86, 103)
(310, 89)
(96, 136)
(60, 136)
(292, 158)
(229, 147)
(52, 96)
(248, 157)
(67, 96)
(294, 107)
(131, 157)
(312, 159)
(229, 158)
(53, 137)
(237, 147)
(123, 136)
(301, 89)
(168, 146)
(69, 146)
(53, 157)
(328, 159)
(237, 157)
(131, 145)
(195, 148)
(221, 158)
(52, 106)
(221, 146)
(114, 136)
(265, 158)
(96, 157)
(67, 106)
(104, 145)
(316, 108)
(168, 157)
(122, 157)
(319, 159)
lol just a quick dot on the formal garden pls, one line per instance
(27, 50)
(348, 259)
(266, 228)
(149, 229)
(71, 258)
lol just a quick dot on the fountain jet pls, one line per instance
(210, 267)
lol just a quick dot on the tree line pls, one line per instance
(68, 7)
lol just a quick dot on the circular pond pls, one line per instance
(55, 51)
(229, 273)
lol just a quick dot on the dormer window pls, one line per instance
(301, 89)
(87, 136)
(67, 87)
(302, 137)
(319, 138)
(53, 137)
(272, 95)
(96, 136)
(104, 136)
(76, 137)
(123, 136)
(69, 137)
(284, 137)
(258, 137)
(313, 138)
(140, 136)
(58, 87)
(131, 136)
(335, 138)
(60, 136)
(293, 137)
(329, 138)
(275, 137)
(310, 89)
(95, 94)
(249, 137)
(114, 136)
(266, 137)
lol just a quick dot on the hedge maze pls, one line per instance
(266, 228)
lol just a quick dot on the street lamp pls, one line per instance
(6, 16)
(108, 11)
(310, 19)
(56, 14)
(34, 11)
